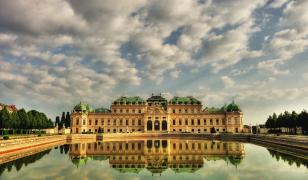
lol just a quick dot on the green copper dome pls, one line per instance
(184, 100)
(233, 107)
(83, 107)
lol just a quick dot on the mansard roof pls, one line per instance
(102, 110)
(129, 100)
(185, 100)
(232, 107)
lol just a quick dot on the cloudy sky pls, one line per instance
(56, 53)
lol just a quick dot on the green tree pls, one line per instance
(5, 118)
(67, 120)
(274, 121)
(1, 121)
(293, 121)
(62, 122)
(24, 120)
(303, 121)
(15, 120)
(57, 121)
(269, 123)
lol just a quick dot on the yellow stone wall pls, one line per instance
(135, 118)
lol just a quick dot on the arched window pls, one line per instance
(149, 125)
(164, 125)
(149, 144)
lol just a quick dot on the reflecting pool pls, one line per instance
(157, 159)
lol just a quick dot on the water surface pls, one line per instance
(157, 159)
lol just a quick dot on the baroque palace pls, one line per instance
(156, 114)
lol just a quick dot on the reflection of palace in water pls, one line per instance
(157, 155)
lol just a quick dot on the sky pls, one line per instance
(54, 54)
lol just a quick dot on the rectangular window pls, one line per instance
(192, 122)
(211, 121)
(108, 121)
(180, 121)
(90, 122)
(139, 110)
(77, 121)
(173, 110)
(139, 121)
(114, 122)
(126, 122)
(236, 120)
(121, 122)
(204, 121)
(96, 121)
(199, 122)
(133, 123)
(102, 122)
(217, 121)
(173, 121)
(186, 121)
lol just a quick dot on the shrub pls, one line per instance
(6, 137)
(5, 132)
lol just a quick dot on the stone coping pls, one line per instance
(16, 145)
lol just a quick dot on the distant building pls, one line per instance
(10, 108)
(156, 114)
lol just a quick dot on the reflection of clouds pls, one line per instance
(257, 164)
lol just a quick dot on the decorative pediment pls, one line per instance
(156, 110)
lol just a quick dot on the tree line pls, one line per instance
(288, 120)
(65, 120)
(22, 120)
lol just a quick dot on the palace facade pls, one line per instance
(156, 114)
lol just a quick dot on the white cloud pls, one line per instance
(228, 82)
(77, 50)
(278, 3)
(292, 38)
(175, 74)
